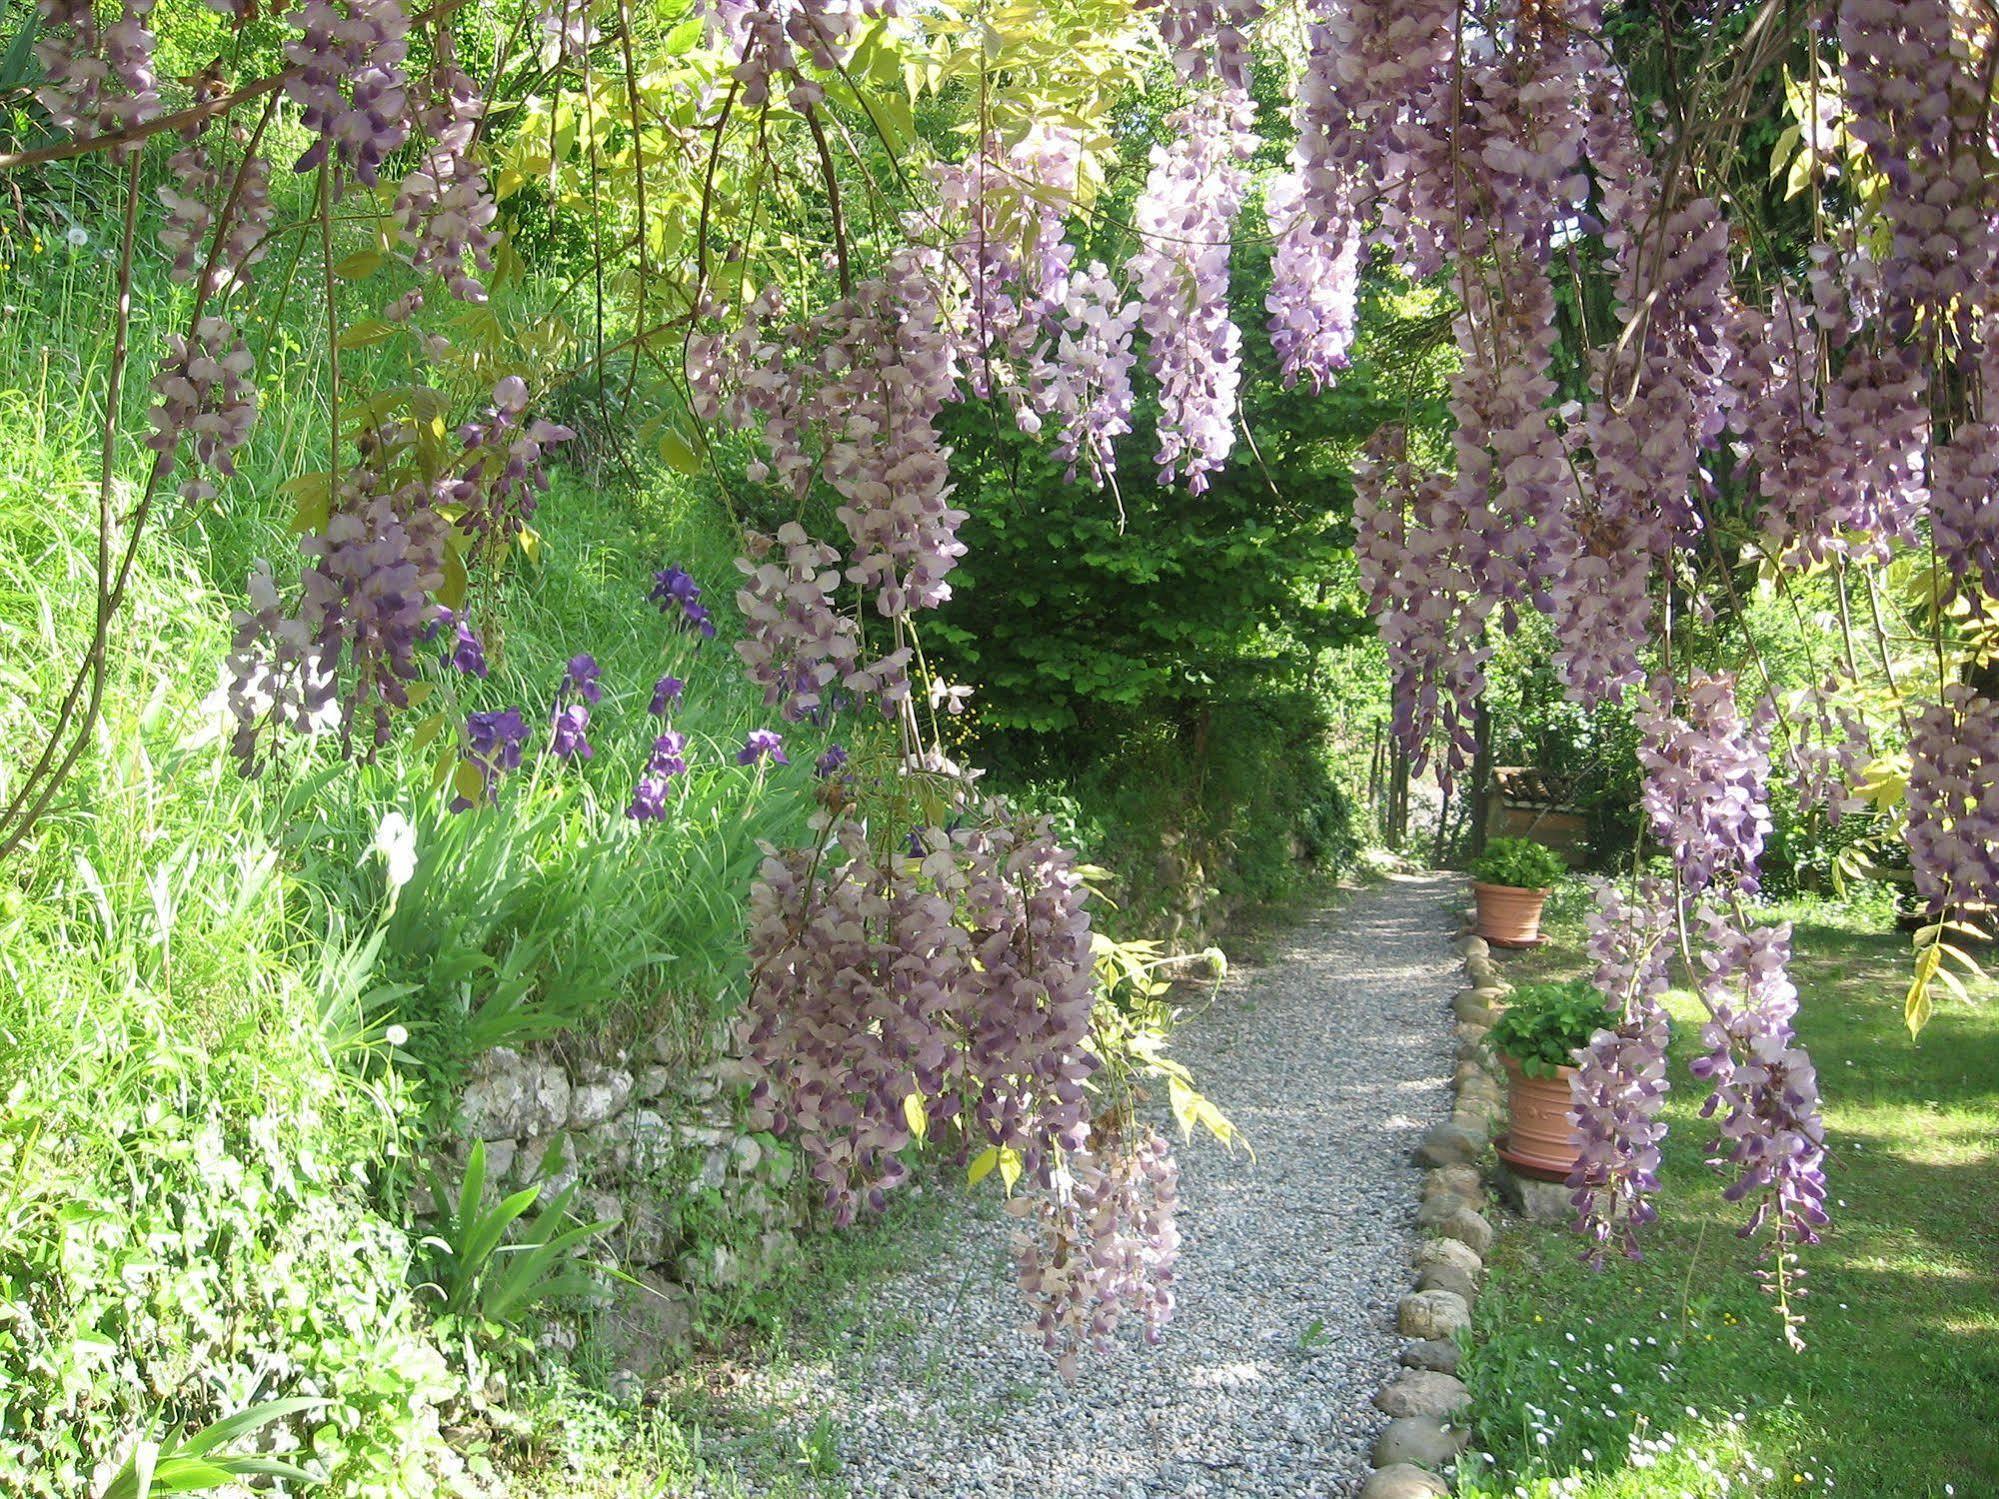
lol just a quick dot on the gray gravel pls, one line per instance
(1332, 1061)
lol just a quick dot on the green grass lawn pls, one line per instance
(1671, 1376)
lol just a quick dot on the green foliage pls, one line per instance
(1544, 1025)
(492, 1262)
(1519, 862)
(189, 1463)
(209, 1106)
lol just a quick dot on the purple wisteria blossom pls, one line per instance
(1706, 773)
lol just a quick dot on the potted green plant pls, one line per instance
(1537, 1038)
(1511, 881)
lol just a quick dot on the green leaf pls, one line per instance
(365, 333)
(360, 264)
(982, 1165)
(1916, 1005)
(915, 1116)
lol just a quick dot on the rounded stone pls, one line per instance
(1432, 1314)
(1482, 970)
(1448, 1145)
(1470, 1228)
(1448, 1252)
(1424, 1392)
(1472, 1123)
(1403, 1481)
(1474, 947)
(1440, 1354)
(1461, 1179)
(1472, 1010)
(1421, 1441)
(1446, 1278)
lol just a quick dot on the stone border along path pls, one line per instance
(1294, 1275)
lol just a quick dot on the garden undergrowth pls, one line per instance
(228, 1046)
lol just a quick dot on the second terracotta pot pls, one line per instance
(1540, 1140)
(1509, 915)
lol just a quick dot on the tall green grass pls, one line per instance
(206, 1135)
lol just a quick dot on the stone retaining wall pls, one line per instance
(655, 1148)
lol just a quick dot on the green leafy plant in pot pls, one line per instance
(1511, 881)
(1544, 1026)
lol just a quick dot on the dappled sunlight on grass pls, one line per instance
(1903, 1305)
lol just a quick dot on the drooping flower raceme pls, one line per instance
(796, 644)
(444, 209)
(349, 81)
(1764, 1095)
(205, 395)
(1184, 219)
(1100, 1245)
(1706, 773)
(1953, 800)
(1621, 1084)
(503, 471)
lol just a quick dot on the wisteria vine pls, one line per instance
(935, 976)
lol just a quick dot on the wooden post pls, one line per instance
(1481, 777)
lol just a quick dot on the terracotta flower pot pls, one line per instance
(1509, 916)
(1540, 1141)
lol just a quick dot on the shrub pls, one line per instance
(1546, 1024)
(1519, 862)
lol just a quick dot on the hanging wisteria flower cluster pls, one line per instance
(900, 991)
(1100, 1246)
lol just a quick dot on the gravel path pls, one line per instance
(1332, 1061)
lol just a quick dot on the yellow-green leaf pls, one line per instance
(678, 453)
(451, 592)
(982, 1165)
(1009, 1167)
(1916, 1007)
(913, 1112)
(312, 502)
(360, 264)
(468, 781)
(365, 332)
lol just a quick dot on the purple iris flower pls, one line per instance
(762, 742)
(665, 693)
(581, 674)
(468, 652)
(829, 763)
(668, 759)
(492, 745)
(497, 737)
(675, 587)
(566, 730)
(648, 800)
